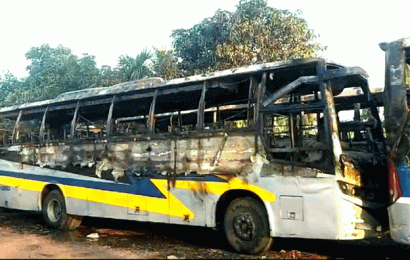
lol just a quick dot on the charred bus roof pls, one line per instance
(301, 73)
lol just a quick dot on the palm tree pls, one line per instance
(138, 68)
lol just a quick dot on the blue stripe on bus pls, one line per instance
(149, 191)
(146, 187)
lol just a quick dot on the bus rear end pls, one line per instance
(396, 111)
(399, 194)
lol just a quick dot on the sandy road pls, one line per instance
(24, 246)
(23, 235)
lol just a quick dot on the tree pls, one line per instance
(254, 33)
(166, 64)
(89, 74)
(53, 71)
(108, 76)
(259, 33)
(8, 82)
(197, 46)
(130, 68)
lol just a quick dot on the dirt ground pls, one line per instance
(23, 235)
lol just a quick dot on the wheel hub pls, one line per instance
(54, 210)
(244, 226)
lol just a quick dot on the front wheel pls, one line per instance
(55, 214)
(246, 226)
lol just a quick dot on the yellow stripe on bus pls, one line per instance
(221, 187)
(145, 203)
(22, 183)
(169, 205)
(176, 207)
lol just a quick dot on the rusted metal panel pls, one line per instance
(43, 126)
(201, 109)
(222, 153)
(395, 102)
(109, 118)
(74, 120)
(251, 98)
(345, 72)
(16, 127)
(260, 92)
(151, 115)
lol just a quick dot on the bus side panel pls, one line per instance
(16, 191)
(77, 206)
(103, 210)
(116, 204)
(18, 198)
(198, 203)
(97, 202)
(305, 207)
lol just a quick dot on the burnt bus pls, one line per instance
(283, 149)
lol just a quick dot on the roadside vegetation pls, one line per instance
(253, 33)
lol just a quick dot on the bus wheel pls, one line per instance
(246, 226)
(55, 214)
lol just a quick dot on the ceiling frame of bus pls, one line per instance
(173, 86)
(329, 74)
(324, 79)
(105, 100)
(342, 73)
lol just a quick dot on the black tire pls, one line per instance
(55, 214)
(246, 226)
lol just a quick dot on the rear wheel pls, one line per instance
(55, 214)
(246, 226)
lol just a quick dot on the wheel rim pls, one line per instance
(244, 226)
(54, 210)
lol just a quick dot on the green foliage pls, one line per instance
(254, 33)
(166, 64)
(7, 83)
(130, 68)
(197, 46)
(259, 33)
(88, 71)
(52, 71)
(108, 77)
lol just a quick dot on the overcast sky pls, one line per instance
(352, 30)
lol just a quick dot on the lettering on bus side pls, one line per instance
(5, 188)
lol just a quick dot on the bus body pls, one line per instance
(284, 149)
(396, 110)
